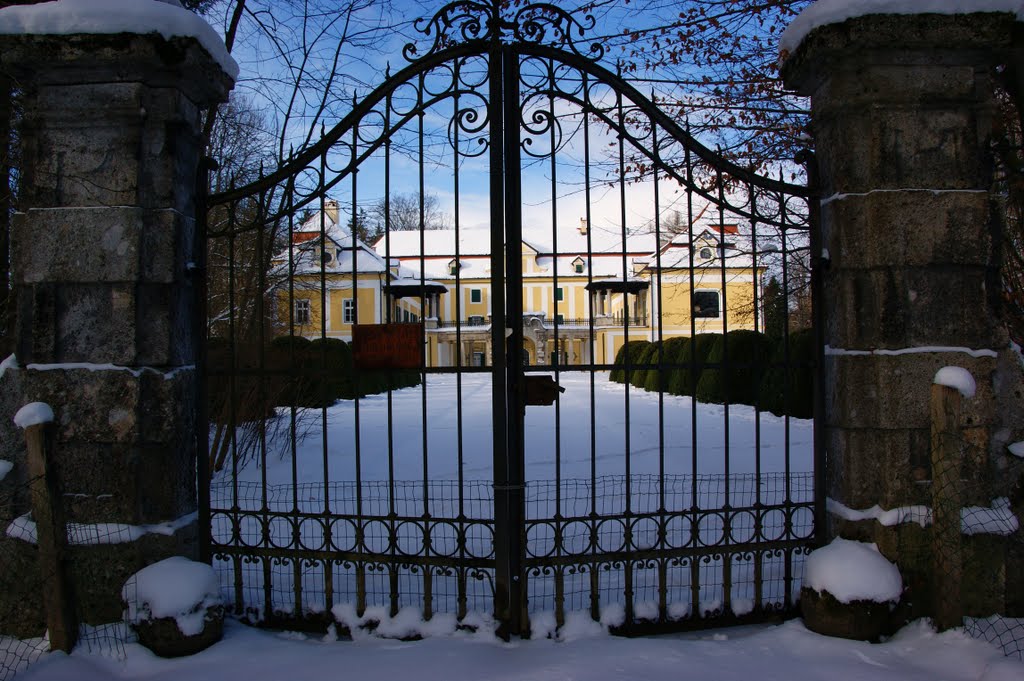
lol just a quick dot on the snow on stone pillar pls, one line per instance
(902, 113)
(113, 92)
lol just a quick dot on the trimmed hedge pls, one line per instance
(296, 372)
(738, 381)
(671, 352)
(790, 389)
(757, 373)
(649, 355)
(695, 353)
(633, 348)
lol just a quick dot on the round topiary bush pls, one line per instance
(683, 380)
(787, 386)
(630, 351)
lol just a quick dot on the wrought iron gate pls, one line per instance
(357, 479)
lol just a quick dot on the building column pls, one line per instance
(903, 109)
(105, 296)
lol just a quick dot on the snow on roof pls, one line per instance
(824, 12)
(853, 571)
(68, 17)
(441, 242)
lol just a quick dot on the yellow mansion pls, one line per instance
(580, 304)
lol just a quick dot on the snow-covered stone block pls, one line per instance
(175, 606)
(849, 590)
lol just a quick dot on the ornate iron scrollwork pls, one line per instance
(539, 23)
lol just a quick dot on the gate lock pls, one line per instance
(540, 390)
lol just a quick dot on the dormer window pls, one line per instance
(453, 267)
(577, 265)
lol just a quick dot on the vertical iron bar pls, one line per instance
(628, 513)
(724, 370)
(462, 596)
(503, 527)
(428, 584)
(595, 594)
(819, 264)
(559, 574)
(514, 321)
(392, 524)
(200, 332)
(360, 566)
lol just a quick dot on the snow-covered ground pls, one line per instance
(783, 653)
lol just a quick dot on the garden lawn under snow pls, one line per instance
(422, 434)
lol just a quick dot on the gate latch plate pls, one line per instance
(540, 390)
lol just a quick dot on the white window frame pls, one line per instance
(709, 290)
(303, 311)
(348, 311)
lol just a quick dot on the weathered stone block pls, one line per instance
(892, 392)
(43, 253)
(164, 325)
(857, 620)
(983, 585)
(97, 572)
(163, 637)
(21, 606)
(901, 149)
(125, 448)
(119, 244)
(890, 468)
(900, 307)
(902, 229)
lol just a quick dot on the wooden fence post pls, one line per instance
(51, 536)
(947, 557)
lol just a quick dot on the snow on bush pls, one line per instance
(853, 571)
(824, 12)
(32, 414)
(958, 378)
(175, 587)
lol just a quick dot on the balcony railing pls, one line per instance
(600, 322)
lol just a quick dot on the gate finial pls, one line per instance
(466, 21)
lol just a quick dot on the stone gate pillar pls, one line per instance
(903, 109)
(105, 300)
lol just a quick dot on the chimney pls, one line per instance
(331, 210)
(583, 226)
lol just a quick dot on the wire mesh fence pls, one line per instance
(975, 543)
